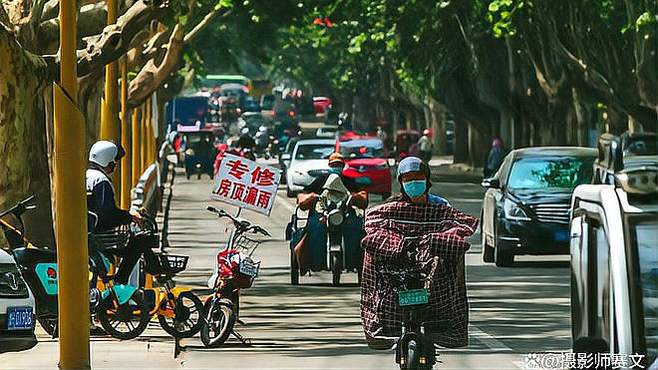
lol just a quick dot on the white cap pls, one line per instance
(103, 153)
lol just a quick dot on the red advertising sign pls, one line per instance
(246, 184)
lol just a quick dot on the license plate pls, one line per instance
(248, 268)
(19, 318)
(562, 235)
(413, 297)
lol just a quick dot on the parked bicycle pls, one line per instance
(180, 312)
(235, 270)
(120, 308)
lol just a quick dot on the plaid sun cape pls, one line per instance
(436, 236)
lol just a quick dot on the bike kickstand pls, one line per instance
(245, 341)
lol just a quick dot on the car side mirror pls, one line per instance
(285, 157)
(491, 183)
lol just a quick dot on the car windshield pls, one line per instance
(370, 149)
(647, 246)
(558, 173)
(645, 145)
(314, 151)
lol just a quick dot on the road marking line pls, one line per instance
(488, 340)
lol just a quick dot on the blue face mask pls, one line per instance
(415, 188)
(336, 170)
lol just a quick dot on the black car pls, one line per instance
(525, 209)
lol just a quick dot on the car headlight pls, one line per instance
(189, 152)
(514, 212)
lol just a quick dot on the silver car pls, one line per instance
(309, 159)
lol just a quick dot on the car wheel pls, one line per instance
(502, 258)
(487, 250)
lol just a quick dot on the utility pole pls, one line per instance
(109, 104)
(126, 172)
(70, 201)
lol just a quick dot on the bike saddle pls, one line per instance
(32, 256)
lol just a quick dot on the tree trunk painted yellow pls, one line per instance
(126, 164)
(70, 202)
(110, 104)
(136, 147)
(144, 139)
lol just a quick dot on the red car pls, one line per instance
(321, 104)
(365, 156)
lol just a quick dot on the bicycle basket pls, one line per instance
(246, 244)
(172, 264)
(246, 272)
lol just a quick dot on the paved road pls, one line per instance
(514, 311)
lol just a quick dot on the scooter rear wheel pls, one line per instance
(412, 356)
(49, 325)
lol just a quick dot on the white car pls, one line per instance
(327, 131)
(309, 159)
(16, 308)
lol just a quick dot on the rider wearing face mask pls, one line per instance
(414, 178)
(336, 166)
(422, 231)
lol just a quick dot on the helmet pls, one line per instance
(103, 153)
(413, 164)
(336, 158)
(427, 132)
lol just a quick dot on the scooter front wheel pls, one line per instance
(220, 319)
(336, 269)
(125, 321)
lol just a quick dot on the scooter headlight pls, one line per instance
(335, 217)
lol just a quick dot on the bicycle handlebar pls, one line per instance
(20, 207)
(242, 225)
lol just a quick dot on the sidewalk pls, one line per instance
(106, 353)
(444, 170)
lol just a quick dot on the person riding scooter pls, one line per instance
(333, 187)
(420, 231)
(103, 157)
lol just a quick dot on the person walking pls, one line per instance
(425, 146)
(495, 157)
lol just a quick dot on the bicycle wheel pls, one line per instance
(220, 319)
(187, 318)
(126, 321)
